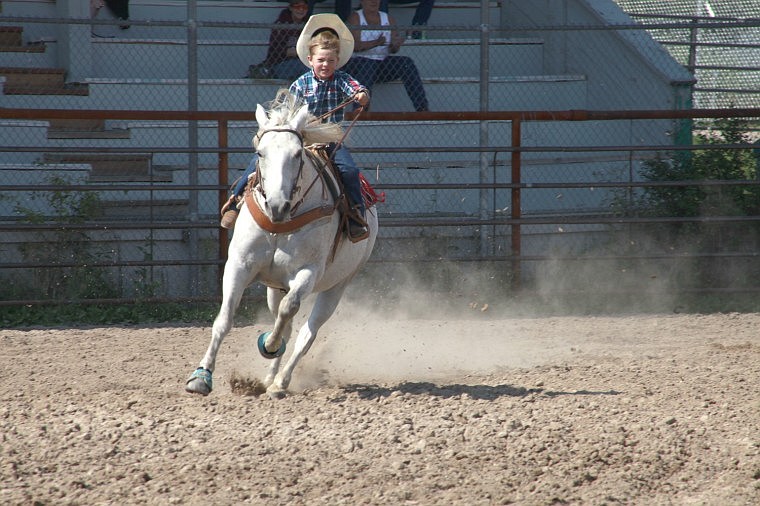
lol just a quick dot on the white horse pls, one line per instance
(290, 184)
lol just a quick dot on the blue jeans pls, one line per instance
(349, 174)
(421, 15)
(368, 72)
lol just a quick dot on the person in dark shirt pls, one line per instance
(282, 59)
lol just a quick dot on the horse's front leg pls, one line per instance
(324, 307)
(274, 298)
(236, 279)
(299, 288)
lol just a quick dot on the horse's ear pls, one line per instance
(261, 115)
(299, 120)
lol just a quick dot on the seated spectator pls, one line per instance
(373, 62)
(282, 61)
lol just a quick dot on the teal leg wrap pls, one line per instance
(204, 375)
(263, 349)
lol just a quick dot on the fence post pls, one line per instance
(693, 39)
(516, 213)
(192, 134)
(223, 170)
(485, 72)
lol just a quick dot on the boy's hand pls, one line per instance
(362, 97)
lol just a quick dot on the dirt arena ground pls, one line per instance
(481, 409)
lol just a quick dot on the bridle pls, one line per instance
(296, 188)
(297, 220)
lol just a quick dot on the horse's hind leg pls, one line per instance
(324, 307)
(234, 283)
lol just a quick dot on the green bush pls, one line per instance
(67, 249)
(712, 164)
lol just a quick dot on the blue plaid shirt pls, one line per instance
(323, 96)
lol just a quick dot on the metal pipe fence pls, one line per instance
(562, 149)
(528, 236)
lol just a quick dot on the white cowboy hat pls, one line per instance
(319, 22)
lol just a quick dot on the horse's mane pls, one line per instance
(283, 109)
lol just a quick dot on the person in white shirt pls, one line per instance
(374, 59)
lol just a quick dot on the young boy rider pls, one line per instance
(325, 45)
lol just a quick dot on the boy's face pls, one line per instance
(324, 61)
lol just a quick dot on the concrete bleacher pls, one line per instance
(145, 68)
(229, 59)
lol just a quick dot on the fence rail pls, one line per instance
(513, 222)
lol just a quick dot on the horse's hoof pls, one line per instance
(199, 382)
(263, 349)
(276, 394)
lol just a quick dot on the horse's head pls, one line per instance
(279, 143)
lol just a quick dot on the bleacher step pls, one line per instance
(36, 48)
(111, 167)
(83, 129)
(84, 134)
(39, 81)
(10, 36)
(144, 209)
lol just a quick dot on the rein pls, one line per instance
(348, 129)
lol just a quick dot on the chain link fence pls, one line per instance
(716, 41)
(116, 193)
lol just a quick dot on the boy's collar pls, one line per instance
(314, 75)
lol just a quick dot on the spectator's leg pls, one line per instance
(403, 67)
(290, 69)
(422, 14)
(364, 70)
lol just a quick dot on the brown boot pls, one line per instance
(228, 219)
(229, 213)
(357, 226)
(357, 231)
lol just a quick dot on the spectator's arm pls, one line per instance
(396, 38)
(359, 45)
